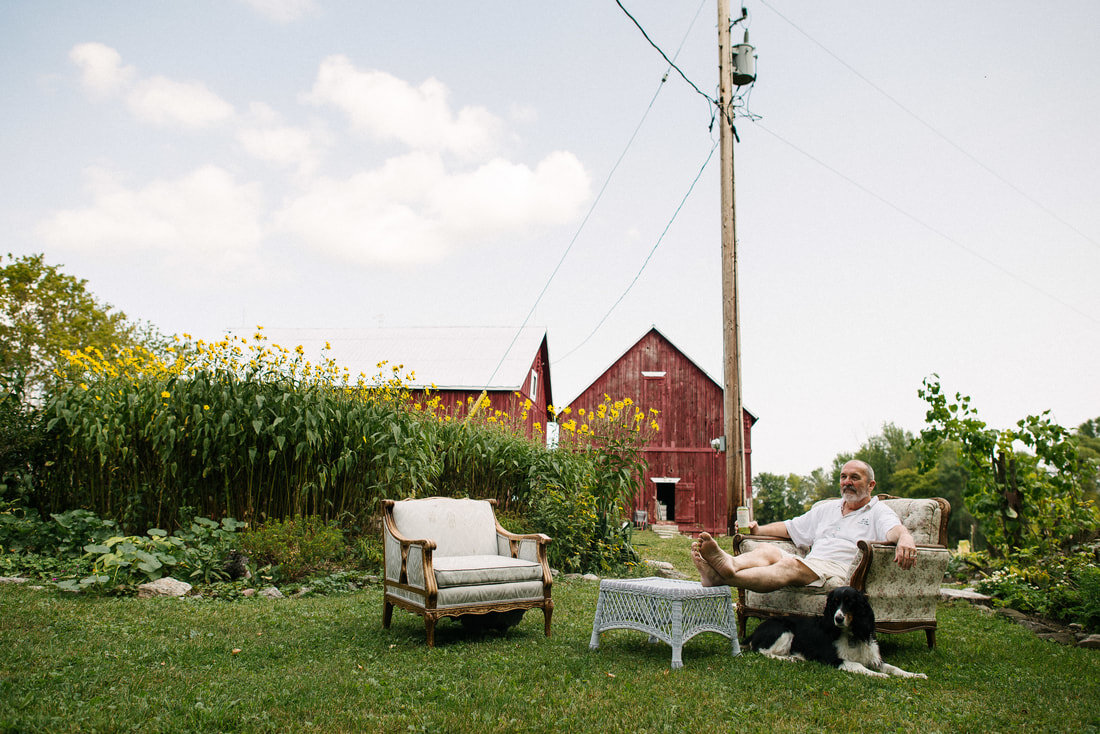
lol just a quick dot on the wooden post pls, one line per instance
(731, 320)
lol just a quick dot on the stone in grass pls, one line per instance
(949, 594)
(1092, 641)
(271, 593)
(166, 586)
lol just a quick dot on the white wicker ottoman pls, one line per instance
(669, 610)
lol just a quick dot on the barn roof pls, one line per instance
(699, 367)
(448, 358)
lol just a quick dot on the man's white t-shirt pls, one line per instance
(833, 536)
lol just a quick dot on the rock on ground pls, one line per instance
(166, 586)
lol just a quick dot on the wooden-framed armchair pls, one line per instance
(904, 601)
(448, 557)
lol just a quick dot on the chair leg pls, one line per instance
(931, 635)
(387, 614)
(742, 625)
(546, 612)
(429, 627)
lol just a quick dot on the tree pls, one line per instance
(1087, 436)
(1031, 496)
(776, 497)
(44, 311)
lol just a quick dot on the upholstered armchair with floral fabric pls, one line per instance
(449, 557)
(904, 601)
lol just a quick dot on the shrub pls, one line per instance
(1062, 587)
(296, 547)
(21, 440)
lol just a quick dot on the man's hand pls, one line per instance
(906, 554)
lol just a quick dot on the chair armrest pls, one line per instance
(745, 543)
(407, 560)
(528, 546)
(875, 566)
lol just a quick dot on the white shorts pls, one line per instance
(830, 574)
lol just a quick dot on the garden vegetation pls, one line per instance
(135, 465)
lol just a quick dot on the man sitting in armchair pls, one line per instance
(831, 529)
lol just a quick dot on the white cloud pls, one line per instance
(387, 108)
(265, 138)
(501, 197)
(412, 211)
(282, 11)
(202, 221)
(102, 72)
(157, 99)
(163, 101)
(373, 217)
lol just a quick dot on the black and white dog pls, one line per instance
(843, 636)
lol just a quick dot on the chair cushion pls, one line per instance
(451, 571)
(459, 527)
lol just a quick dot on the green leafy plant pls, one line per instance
(206, 545)
(295, 547)
(1064, 587)
(124, 560)
(1026, 485)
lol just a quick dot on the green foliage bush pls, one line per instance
(295, 547)
(1030, 498)
(1061, 587)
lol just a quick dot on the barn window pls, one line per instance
(653, 375)
(534, 385)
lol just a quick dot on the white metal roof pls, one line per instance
(446, 357)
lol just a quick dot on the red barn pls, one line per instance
(456, 363)
(686, 480)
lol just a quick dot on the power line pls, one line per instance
(929, 227)
(599, 195)
(935, 131)
(647, 259)
(671, 63)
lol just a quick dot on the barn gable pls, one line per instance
(686, 479)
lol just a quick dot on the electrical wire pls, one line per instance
(647, 259)
(671, 63)
(943, 235)
(930, 127)
(603, 188)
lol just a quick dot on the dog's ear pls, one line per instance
(832, 601)
(863, 625)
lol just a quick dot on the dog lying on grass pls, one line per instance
(843, 636)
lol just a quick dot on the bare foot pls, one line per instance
(720, 562)
(707, 575)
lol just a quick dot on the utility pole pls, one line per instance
(731, 320)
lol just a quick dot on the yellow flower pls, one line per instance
(83, 386)
(166, 394)
(206, 407)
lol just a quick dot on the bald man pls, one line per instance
(832, 529)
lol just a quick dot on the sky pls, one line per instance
(917, 186)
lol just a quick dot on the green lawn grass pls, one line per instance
(86, 664)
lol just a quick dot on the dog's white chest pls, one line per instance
(864, 653)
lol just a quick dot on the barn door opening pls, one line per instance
(666, 497)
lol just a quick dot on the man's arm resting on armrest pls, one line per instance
(906, 553)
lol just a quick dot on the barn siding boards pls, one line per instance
(655, 373)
